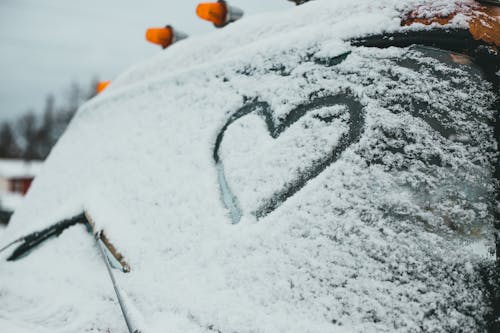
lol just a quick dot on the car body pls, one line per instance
(324, 169)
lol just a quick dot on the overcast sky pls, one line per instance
(47, 44)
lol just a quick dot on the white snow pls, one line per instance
(382, 239)
(10, 201)
(10, 168)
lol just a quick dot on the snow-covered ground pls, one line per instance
(11, 168)
(10, 201)
(366, 204)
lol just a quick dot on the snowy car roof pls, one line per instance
(269, 177)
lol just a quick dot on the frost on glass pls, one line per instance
(424, 127)
(440, 145)
(393, 234)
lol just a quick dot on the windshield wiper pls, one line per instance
(29, 242)
(34, 239)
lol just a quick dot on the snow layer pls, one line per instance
(389, 237)
(17, 168)
(10, 201)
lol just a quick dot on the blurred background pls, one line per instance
(52, 55)
(52, 52)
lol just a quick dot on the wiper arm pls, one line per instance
(109, 246)
(101, 241)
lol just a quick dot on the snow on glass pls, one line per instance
(426, 126)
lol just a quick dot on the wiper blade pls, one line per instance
(34, 239)
(29, 242)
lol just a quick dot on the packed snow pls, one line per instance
(10, 201)
(10, 168)
(387, 226)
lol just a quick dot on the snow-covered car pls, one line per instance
(330, 168)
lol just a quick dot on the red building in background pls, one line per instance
(20, 184)
(16, 177)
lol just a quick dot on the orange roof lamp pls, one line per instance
(100, 86)
(164, 36)
(219, 13)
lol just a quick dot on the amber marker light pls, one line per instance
(219, 13)
(100, 86)
(164, 36)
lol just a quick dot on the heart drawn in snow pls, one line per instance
(275, 130)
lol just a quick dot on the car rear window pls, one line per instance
(418, 120)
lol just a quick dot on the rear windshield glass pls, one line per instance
(417, 124)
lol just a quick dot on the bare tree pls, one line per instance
(33, 137)
(92, 91)
(46, 133)
(27, 127)
(8, 144)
